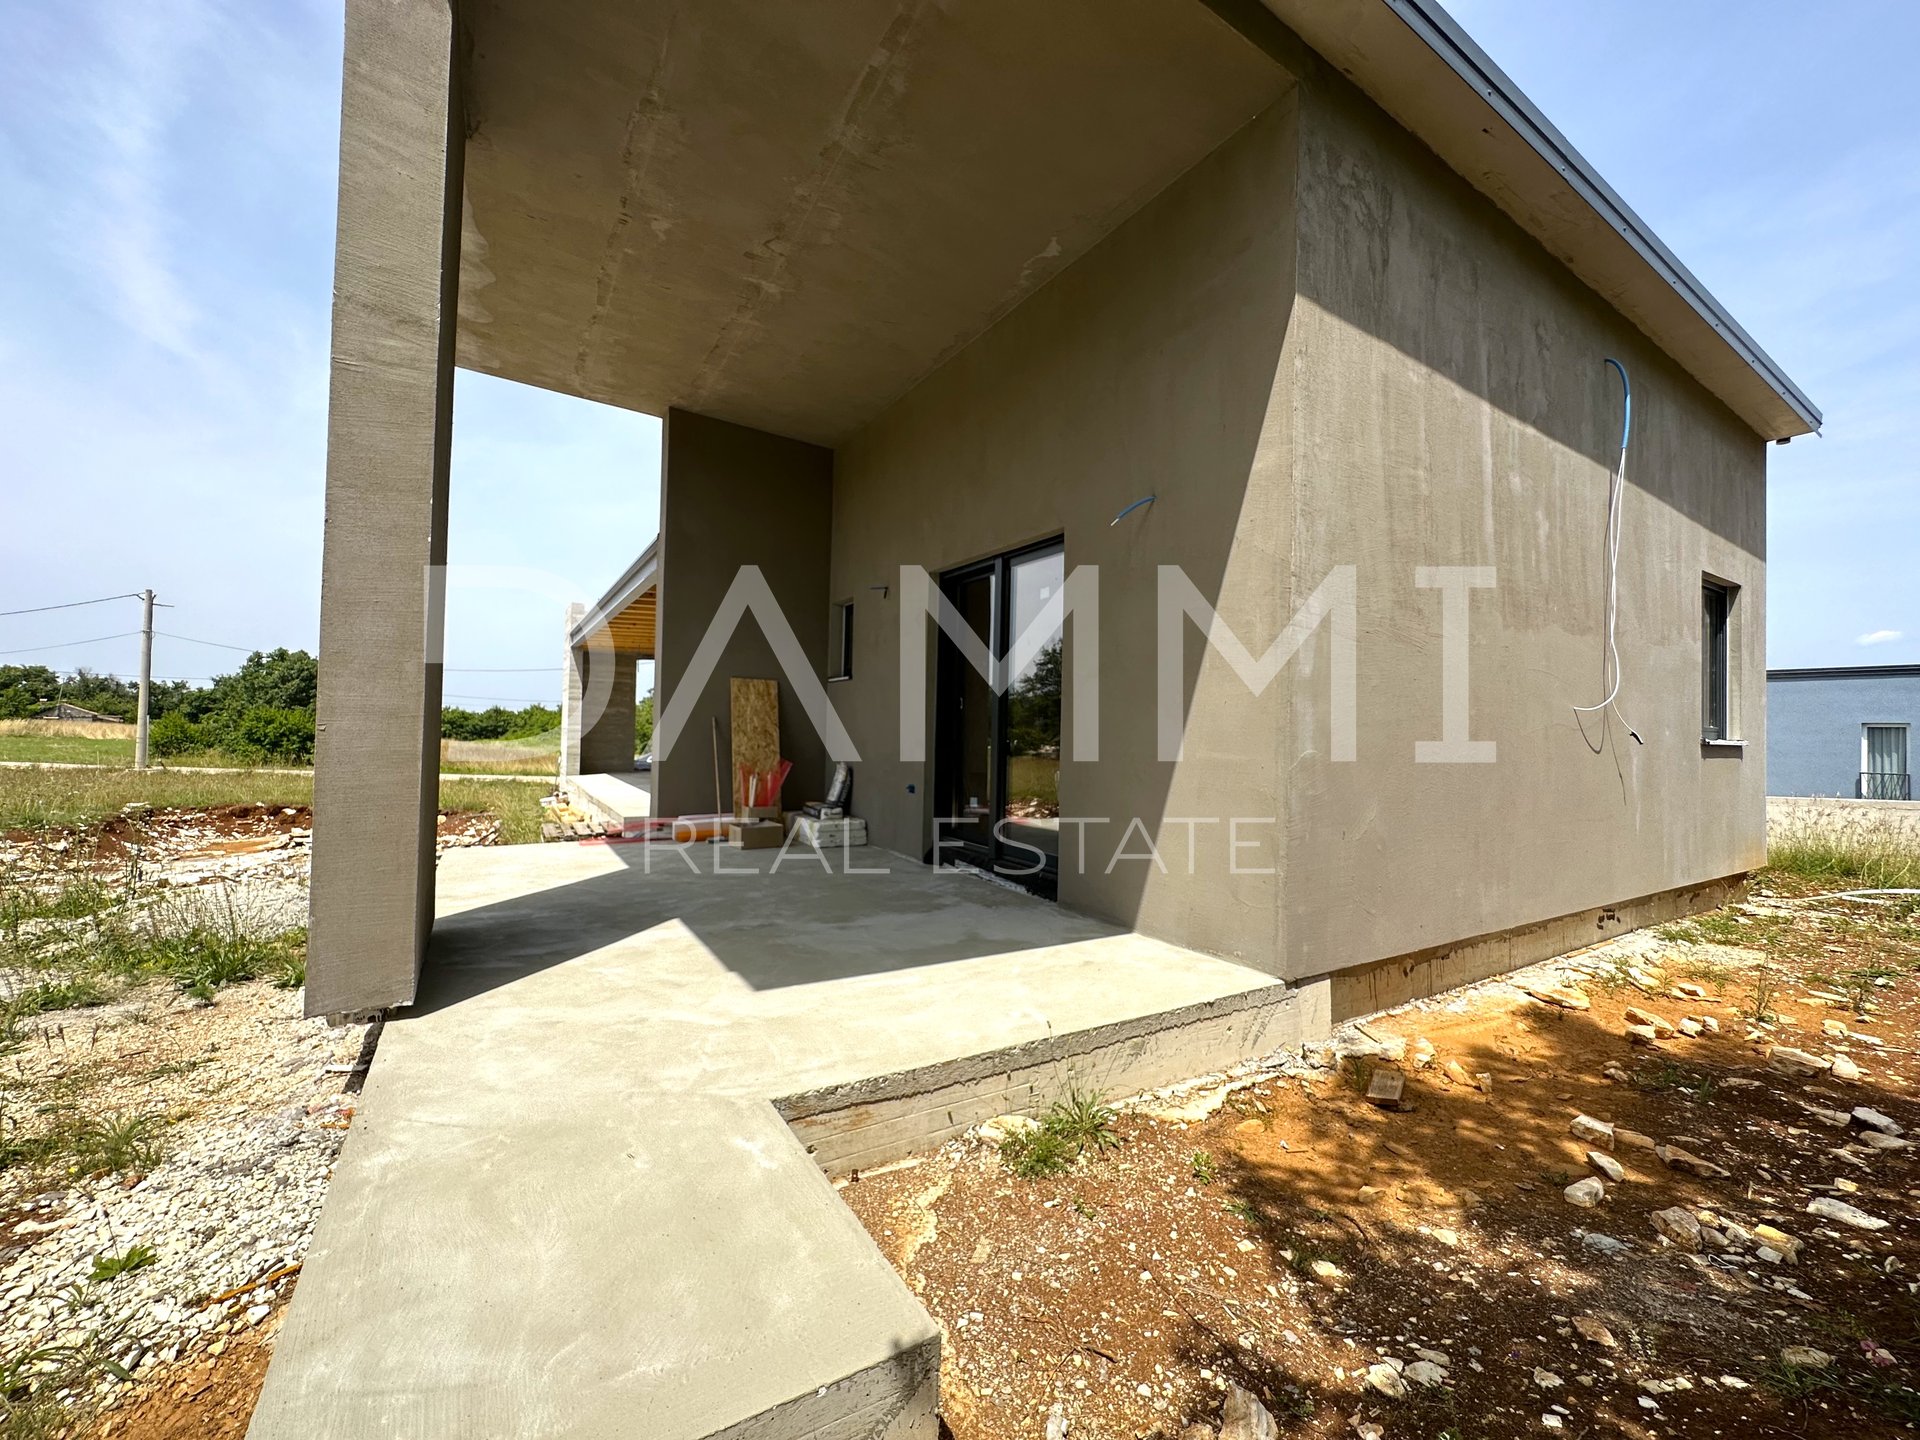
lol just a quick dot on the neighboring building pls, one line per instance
(1842, 730)
(65, 711)
(954, 287)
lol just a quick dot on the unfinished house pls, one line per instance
(1261, 369)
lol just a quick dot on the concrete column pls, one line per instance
(733, 496)
(606, 739)
(573, 677)
(396, 282)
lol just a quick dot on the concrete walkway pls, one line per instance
(569, 1205)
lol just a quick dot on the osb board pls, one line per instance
(756, 728)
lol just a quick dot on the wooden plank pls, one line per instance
(756, 729)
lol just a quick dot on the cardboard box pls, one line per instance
(754, 834)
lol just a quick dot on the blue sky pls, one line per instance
(166, 231)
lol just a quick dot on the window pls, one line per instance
(840, 643)
(1883, 763)
(1716, 660)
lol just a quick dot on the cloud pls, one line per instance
(1878, 637)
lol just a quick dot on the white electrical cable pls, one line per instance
(1616, 492)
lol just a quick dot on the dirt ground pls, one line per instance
(1301, 1235)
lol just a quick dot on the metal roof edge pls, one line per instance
(1445, 37)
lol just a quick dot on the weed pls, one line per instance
(1069, 1129)
(35, 1384)
(1242, 1211)
(1203, 1168)
(1037, 1154)
(116, 1143)
(1759, 1002)
(112, 1267)
(45, 998)
(1671, 1076)
(1083, 1209)
(1355, 1073)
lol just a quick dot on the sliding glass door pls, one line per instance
(997, 765)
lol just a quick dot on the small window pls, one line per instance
(840, 643)
(1716, 659)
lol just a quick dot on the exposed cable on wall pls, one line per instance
(1610, 674)
(1144, 500)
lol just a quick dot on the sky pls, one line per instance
(166, 235)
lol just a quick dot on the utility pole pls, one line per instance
(146, 678)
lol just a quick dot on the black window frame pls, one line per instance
(840, 642)
(1718, 599)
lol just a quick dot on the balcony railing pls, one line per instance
(1885, 785)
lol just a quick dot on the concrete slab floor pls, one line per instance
(567, 1205)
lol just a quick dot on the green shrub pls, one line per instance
(174, 734)
(264, 733)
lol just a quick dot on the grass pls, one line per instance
(1070, 1128)
(1670, 1076)
(531, 755)
(1837, 848)
(67, 749)
(117, 1144)
(60, 799)
(1033, 783)
(1203, 1168)
(35, 1384)
(77, 993)
(112, 1267)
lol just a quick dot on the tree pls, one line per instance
(24, 689)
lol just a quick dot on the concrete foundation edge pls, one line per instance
(871, 1122)
(1367, 990)
(898, 1399)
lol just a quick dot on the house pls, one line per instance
(1176, 452)
(63, 710)
(1315, 277)
(1841, 730)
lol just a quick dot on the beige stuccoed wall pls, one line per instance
(1321, 348)
(1453, 408)
(1147, 368)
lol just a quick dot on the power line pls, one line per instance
(70, 605)
(69, 644)
(216, 644)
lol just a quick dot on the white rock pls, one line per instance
(1585, 1193)
(1546, 1379)
(1387, 1381)
(1842, 1213)
(1805, 1357)
(1244, 1418)
(1885, 1124)
(1611, 1168)
(1679, 1226)
(1845, 1069)
(1597, 1132)
(1877, 1141)
(1426, 1373)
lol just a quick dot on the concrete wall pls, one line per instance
(1153, 366)
(1814, 727)
(607, 739)
(1453, 409)
(731, 496)
(390, 413)
(1321, 348)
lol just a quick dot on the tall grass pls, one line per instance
(1836, 846)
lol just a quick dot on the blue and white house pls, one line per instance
(1842, 730)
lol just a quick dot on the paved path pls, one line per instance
(567, 1206)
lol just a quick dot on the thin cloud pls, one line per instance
(1878, 637)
